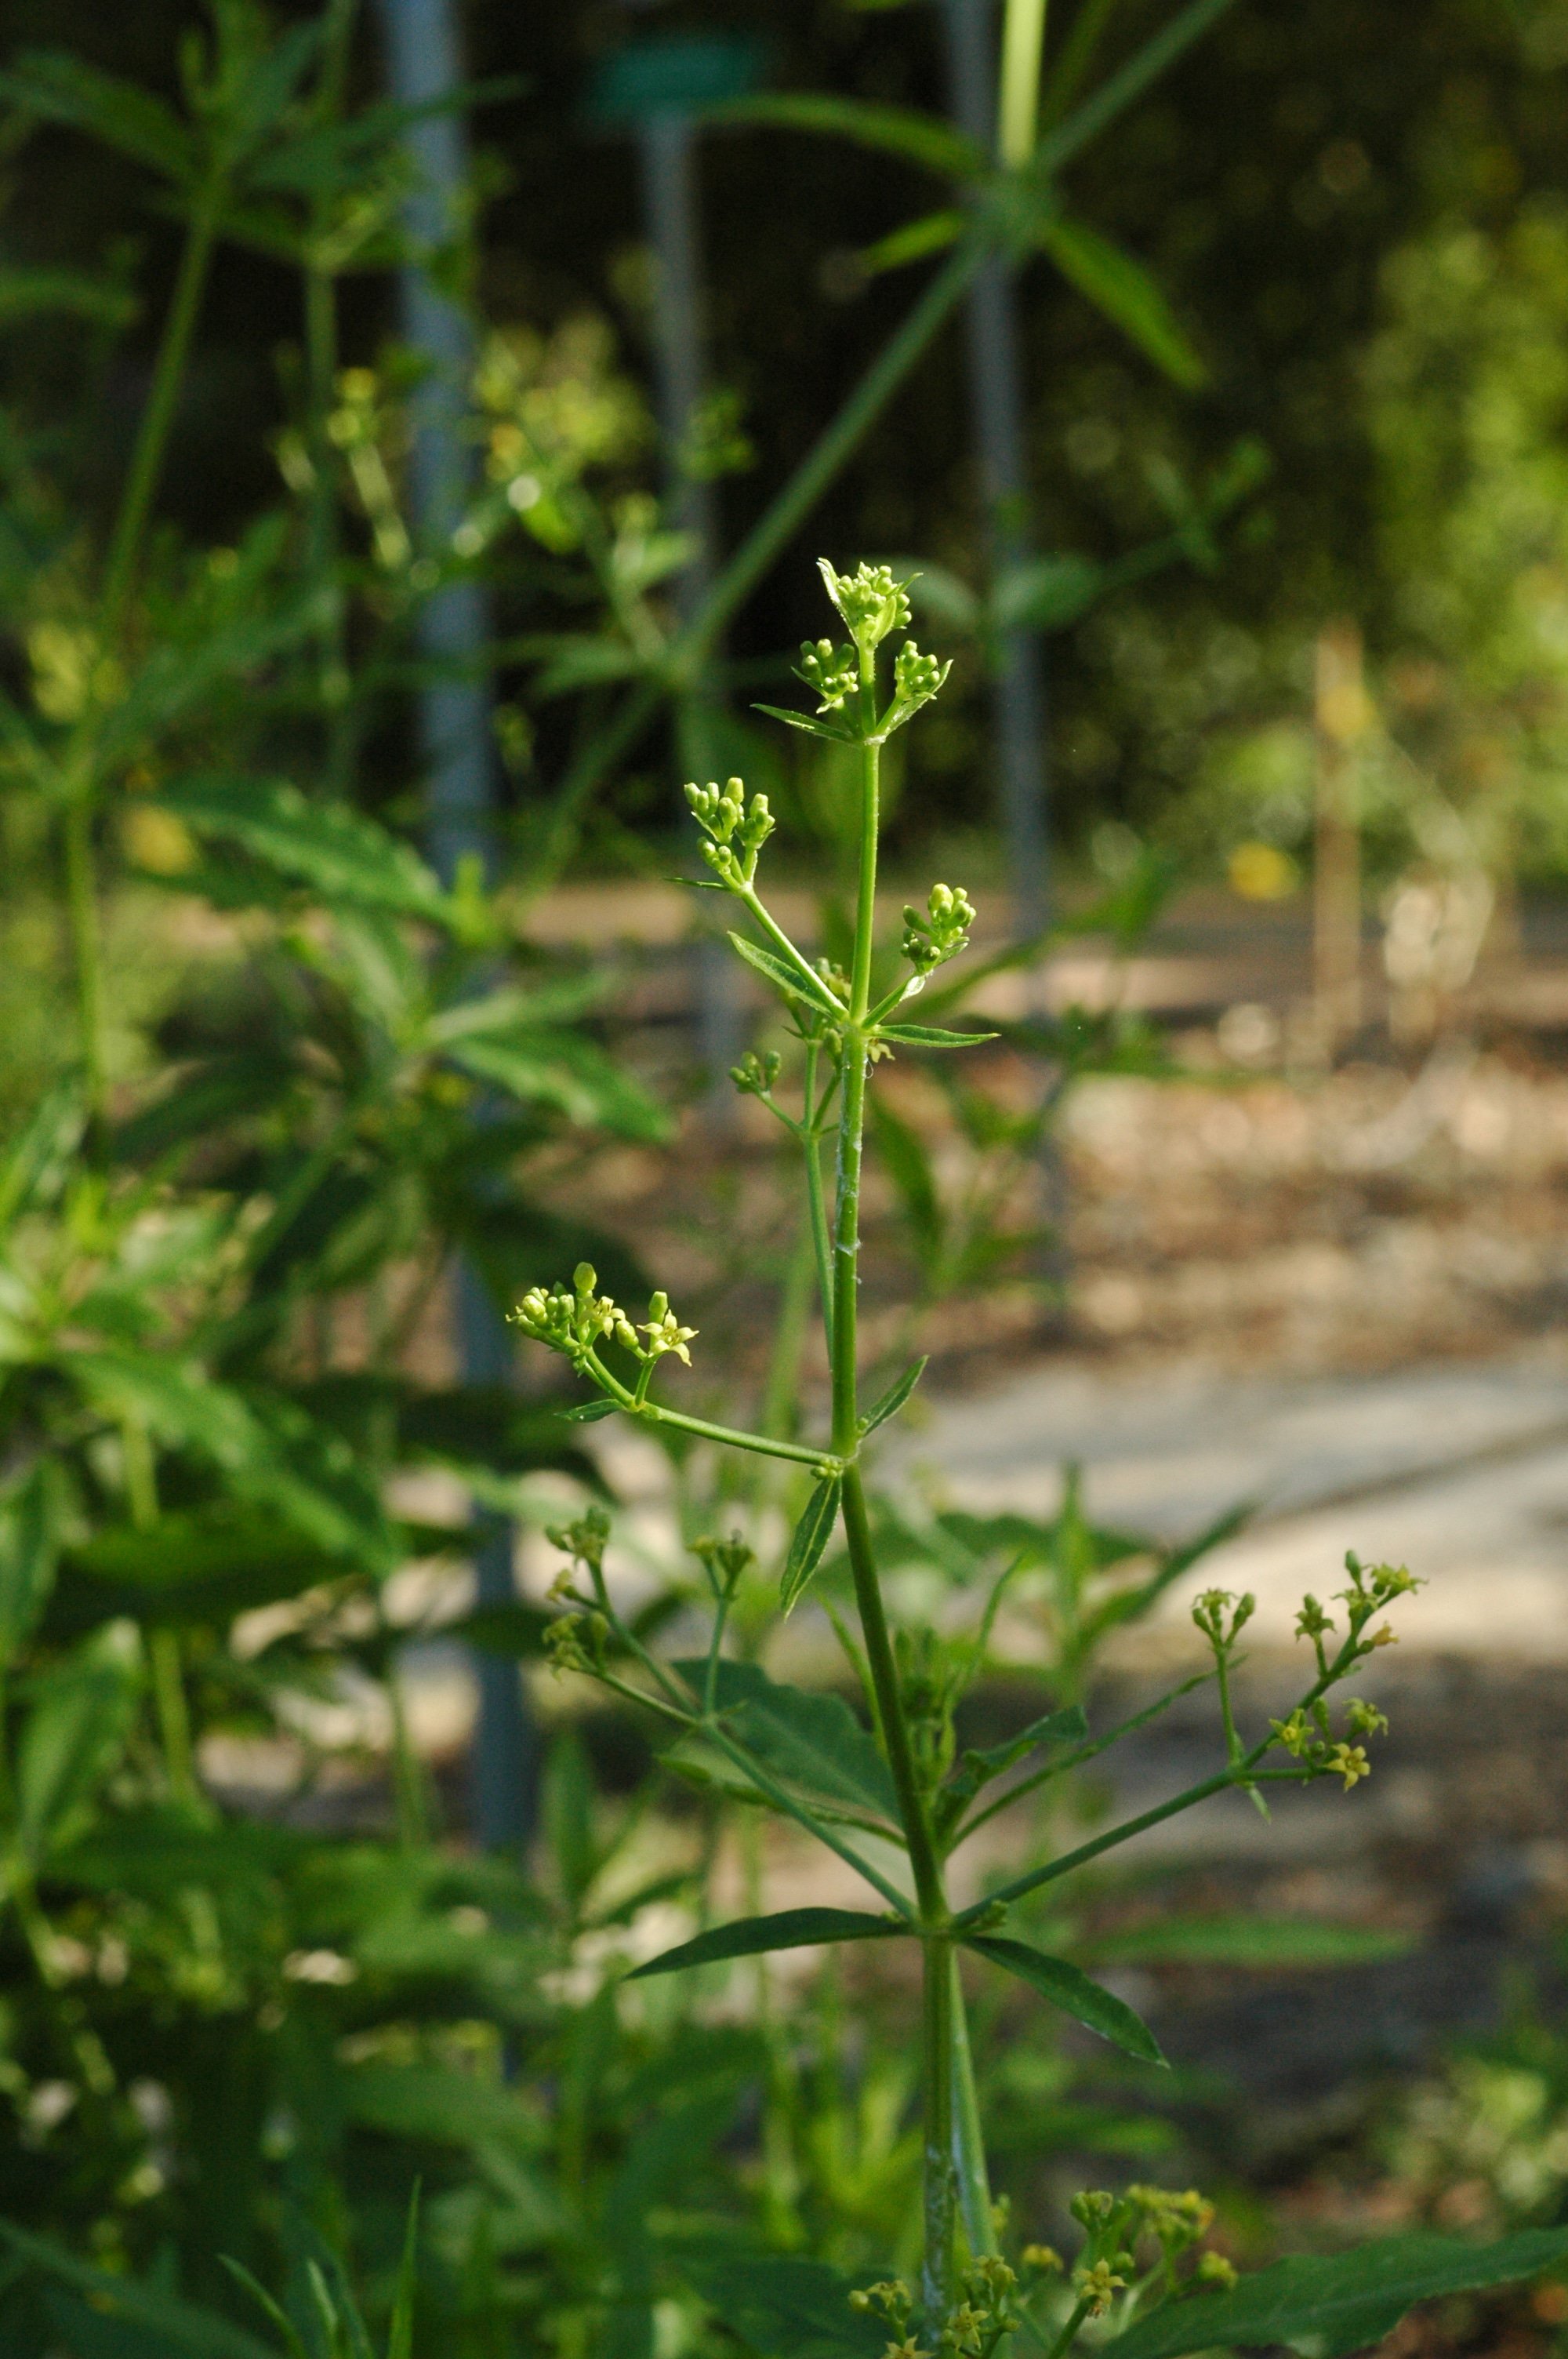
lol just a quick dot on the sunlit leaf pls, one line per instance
(928, 1036)
(752, 1937)
(327, 847)
(791, 980)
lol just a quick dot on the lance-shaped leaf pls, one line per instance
(32, 1516)
(752, 1937)
(893, 1399)
(893, 130)
(978, 1766)
(1261, 1941)
(588, 1412)
(811, 1743)
(326, 847)
(179, 2325)
(1120, 287)
(1066, 1987)
(808, 1540)
(930, 1036)
(795, 981)
(814, 724)
(1342, 2302)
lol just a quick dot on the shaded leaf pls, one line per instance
(921, 138)
(978, 1767)
(31, 1519)
(810, 1741)
(184, 2327)
(752, 1937)
(1069, 1988)
(564, 1070)
(808, 1540)
(893, 1399)
(588, 1412)
(783, 2307)
(1325, 2307)
(1120, 287)
(28, 294)
(75, 1728)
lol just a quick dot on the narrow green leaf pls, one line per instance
(893, 1399)
(928, 1036)
(811, 1534)
(183, 2327)
(1340, 2303)
(911, 243)
(811, 723)
(895, 130)
(588, 1412)
(788, 979)
(400, 2331)
(1261, 1941)
(1070, 1989)
(1120, 287)
(73, 1732)
(32, 1516)
(30, 294)
(791, 1928)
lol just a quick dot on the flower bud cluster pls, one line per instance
(735, 829)
(1221, 1616)
(871, 602)
(942, 932)
(572, 1323)
(916, 678)
(754, 1075)
(831, 673)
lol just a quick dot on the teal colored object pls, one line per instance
(678, 76)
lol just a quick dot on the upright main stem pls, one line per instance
(939, 1979)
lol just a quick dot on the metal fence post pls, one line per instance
(455, 734)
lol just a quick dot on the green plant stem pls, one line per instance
(158, 418)
(731, 1436)
(1242, 1775)
(772, 532)
(940, 2179)
(81, 907)
(969, 2135)
(1018, 105)
(939, 1986)
(164, 1657)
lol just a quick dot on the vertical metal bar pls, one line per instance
(454, 736)
(667, 150)
(996, 397)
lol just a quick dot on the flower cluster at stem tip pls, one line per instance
(571, 1320)
(736, 830)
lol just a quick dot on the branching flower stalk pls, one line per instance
(806, 1758)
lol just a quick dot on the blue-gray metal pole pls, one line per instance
(667, 151)
(456, 741)
(996, 397)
